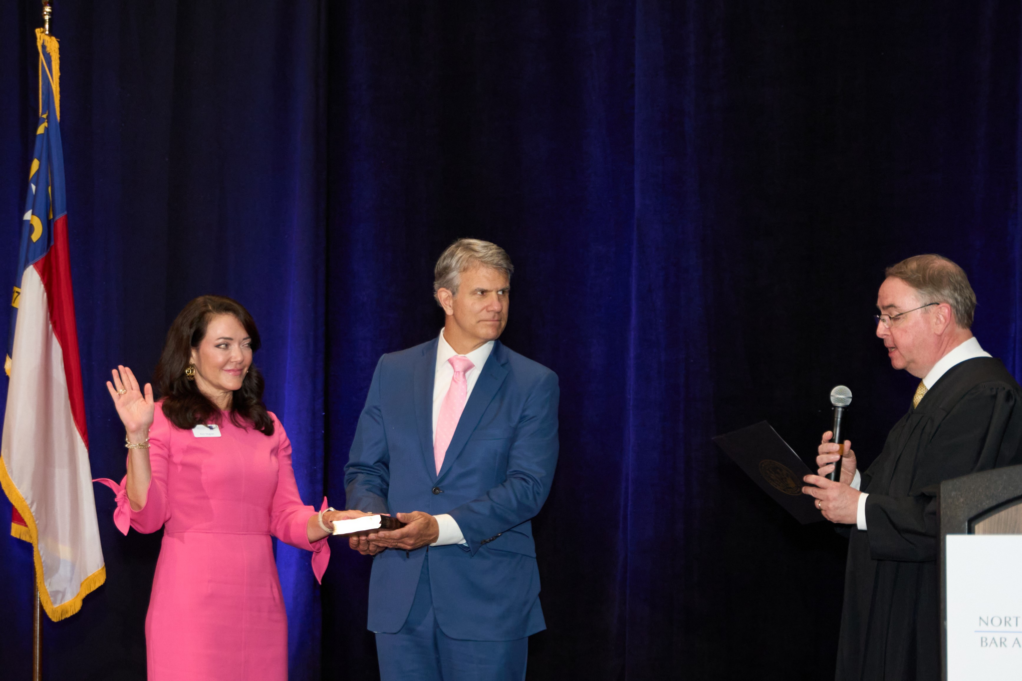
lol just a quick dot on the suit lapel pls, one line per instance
(490, 379)
(425, 374)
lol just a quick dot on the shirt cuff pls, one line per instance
(856, 481)
(450, 532)
(860, 514)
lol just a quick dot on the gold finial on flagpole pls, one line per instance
(47, 11)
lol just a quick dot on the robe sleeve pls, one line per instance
(289, 517)
(155, 511)
(982, 431)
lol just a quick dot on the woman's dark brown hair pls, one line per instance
(183, 404)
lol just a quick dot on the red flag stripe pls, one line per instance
(54, 269)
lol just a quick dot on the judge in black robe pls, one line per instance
(969, 420)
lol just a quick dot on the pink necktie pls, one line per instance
(451, 408)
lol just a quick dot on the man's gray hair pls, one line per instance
(465, 254)
(938, 280)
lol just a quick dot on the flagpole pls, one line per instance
(37, 611)
(37, 638)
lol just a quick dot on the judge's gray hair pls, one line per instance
(465, 254)
(938, 280)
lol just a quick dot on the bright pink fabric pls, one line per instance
(451, 408)
(321, 557)
(122, 513)
(216, 611)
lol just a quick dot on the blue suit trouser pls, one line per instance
(421, 651)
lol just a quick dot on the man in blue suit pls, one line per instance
(458, 439)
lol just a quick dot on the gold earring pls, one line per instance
(190, 372)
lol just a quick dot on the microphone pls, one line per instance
(840, 397)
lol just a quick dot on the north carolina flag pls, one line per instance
(44, 455)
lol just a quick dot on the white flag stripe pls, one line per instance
(46, 458)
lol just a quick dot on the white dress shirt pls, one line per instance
(450, 533)
(970, 349)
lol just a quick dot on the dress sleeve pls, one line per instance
(155, 512)
(289, 517)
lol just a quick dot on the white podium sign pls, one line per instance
(984, 607)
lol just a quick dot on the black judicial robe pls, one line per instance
(971, 420)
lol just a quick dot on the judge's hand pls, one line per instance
(421, 529)
(828, 453)
(135, 407)
(838, 502)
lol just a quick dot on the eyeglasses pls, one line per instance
(887, 319)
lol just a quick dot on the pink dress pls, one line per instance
(216, 611)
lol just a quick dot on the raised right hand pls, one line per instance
(135, 409)
(828, 453)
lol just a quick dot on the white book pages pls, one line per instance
(366, 522)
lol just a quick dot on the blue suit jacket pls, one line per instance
(495, 477)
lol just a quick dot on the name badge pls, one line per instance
(206, 430)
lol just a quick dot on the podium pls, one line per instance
(978, 574)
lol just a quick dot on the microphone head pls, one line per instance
(840, 396)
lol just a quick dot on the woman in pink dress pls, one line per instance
(213, 467)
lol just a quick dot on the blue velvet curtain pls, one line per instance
(699, 199)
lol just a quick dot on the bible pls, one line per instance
(367, 523)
